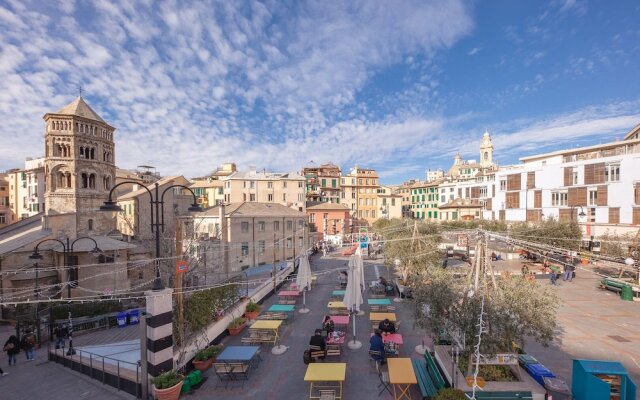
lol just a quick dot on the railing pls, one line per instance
(122, 375)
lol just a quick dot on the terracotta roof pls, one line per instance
(326, 206)
(206, 184)
(80, 108)
(462, 203)
(254, 209)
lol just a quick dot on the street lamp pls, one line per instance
(581, 214)
(67, 249)
(631, 262)
(157, 207)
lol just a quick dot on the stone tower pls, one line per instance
(486, 151)
(79, 170)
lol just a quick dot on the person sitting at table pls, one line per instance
(319, 341)
(387, 326)
(328, 324)
(376, 347)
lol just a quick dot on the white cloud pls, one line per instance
(474, 51)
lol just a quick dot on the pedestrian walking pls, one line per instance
(553, 277)
(29, 345)
(12, 347)
(62, 333)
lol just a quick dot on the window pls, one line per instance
(252, 185)
(276, 225)
(559, 198)
(270, 197)
(289, 243)
(593, 197)
(289, 225)
(244, 227)
(252, 197)
(300, 185)
(393, 202)
(3, 219)
(353, 195)
(574, 178)
(312, 218)
(261, 225)
(612, 172)
(284, 184)
(245, 248)
(284, 197)
(483, 191)
(269, 185)
(324, 183)
(261, 246)
(359, 181)
(503, 184)
(89, 223)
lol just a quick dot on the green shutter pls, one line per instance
(324, 183)
(435, 214)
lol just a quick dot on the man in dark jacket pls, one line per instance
(376, 346)
(12, 347)
(318, 340)
(29, 345)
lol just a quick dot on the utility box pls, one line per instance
(598, 380)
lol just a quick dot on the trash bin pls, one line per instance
(134, 317)
(186, 386)
(557, 388)
(527, 359)
(538, 372)
(195, 377)
(626, 293)
(122, 319)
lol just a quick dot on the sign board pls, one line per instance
(479, 380)
(500, 359)
(181, 267)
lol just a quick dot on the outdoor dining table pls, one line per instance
(401, 376)
(337, 308)
(243, 354)
(336, 304)
(379, 302)
(342, 320)
(337, 295)
(394, 338)
(380, 316)
(288, 296)
(283, 308)
(272, 326)
(325, 376)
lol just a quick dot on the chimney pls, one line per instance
(252, 170)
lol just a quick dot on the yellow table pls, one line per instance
(380, 316)
(269, 326)
(319, 375)
(401, 376)
(336, 304)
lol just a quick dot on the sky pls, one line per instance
(399, 86)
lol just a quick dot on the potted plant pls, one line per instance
(167, 385)
(205, 357)
(252, 310)
(236, 326)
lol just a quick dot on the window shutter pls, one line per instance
(537, 199)
(568, 176)
(501, 215)
(513, 200)
(534, 215)
(531, 180)
(636, 193)
(614, 215)
(514, 182)
(577, 196)
(602, 195)
(598, 173)
(636, 216)
(475, 192)
(589, 174)
(565, 215)
(488, 203)
(493, 190)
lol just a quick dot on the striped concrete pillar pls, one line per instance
(159, 331)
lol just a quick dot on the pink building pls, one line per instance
(331, 219)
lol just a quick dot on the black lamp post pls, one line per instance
(67, 249)
(157, 207)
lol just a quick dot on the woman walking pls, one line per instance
(12, 347)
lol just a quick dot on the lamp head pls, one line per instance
(582, 214)
(36, 256)
(629, 261)
(195, 208)
(110, 206)
(96, 251)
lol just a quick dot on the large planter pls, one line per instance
(251, 314)
(236, 331)
(172, 393)
(202, 365)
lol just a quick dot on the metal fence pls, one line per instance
(122, 375)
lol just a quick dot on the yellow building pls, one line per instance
(360, 193)
(390, 202)
(208, 193)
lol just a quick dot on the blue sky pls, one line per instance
(399, 86)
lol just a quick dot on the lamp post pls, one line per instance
(156, 203)
(67, 249)
(397, 263)
(581, 214)
(631, 262)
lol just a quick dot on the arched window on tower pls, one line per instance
(107, 182)
(90, 224)
(81, 152)
(93, 153)
(92, 181)
(486, 156)
(85, 180)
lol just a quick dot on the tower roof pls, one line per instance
(80, 108)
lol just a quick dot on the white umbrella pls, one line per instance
(360, 265)
(303, 280)
(353, 295)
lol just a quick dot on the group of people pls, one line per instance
(319, 339)
(13, 345)
(376, 343)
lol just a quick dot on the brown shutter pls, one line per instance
(614, 215)
(636, 193)
(459, 192)
(568, 176)
(636, 216)
(501, 215)
(589, 174)
(577, 196)
(493, 190)
(603, 193)
(537, 199)
(475, 192)
(488, 204)
(598, 173)
(534, 215)
(513, 199)
(531, 180)
(565, 215)
(514, 182)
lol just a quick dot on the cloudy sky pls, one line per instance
(395, 85)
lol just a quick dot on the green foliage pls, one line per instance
(493, 373)
(252, 307)
(238, 322)
(566, 234)
(450, 394)
(209, 352)
(201, 355)
(167, 379)
(200, 308)
(515, 309)
(615, 245)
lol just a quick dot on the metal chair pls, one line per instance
(384, 380)
(223, 371)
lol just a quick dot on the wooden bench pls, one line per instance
(427, 388)
(433, 371)
(333, 350)
(259, 337)
(274, 316)
(480, 395)
(610, 284)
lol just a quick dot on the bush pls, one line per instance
(252, 307)
(213, 351)
(167, 379)
(450, 394)
(238, 322)
(201, 355)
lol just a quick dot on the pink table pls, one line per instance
(288, 293)
(340, 340)
(339, 319)
(393, 337)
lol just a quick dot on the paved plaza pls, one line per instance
(593, 324)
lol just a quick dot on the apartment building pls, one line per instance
(26, 189)
(424, 200)
(250, 234)
(6, 214)
(333, 220)
(323, 183)
(390, 202)
(360, 193)
(208, 193)
(404, 190)
(598, 186)
(287, 189)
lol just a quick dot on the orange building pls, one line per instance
(333, 220)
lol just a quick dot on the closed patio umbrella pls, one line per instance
(303, 280)
(353, 294)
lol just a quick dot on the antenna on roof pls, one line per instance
(80, 90)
